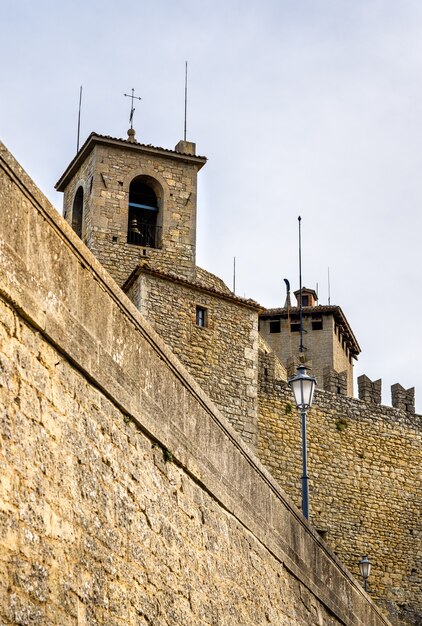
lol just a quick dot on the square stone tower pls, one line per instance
(129, 201)
(329, 344)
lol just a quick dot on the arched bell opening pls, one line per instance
(77, 211)
(143, 221)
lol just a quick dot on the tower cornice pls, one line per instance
(95, 139)
(308, 311)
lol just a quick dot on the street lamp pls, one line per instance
(303, 387)
(365, 569)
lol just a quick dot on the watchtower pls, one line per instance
(128, 201)
(329, 344)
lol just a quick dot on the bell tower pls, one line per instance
(129, 201)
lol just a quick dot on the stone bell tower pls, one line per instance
(129, 201)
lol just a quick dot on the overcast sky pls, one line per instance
(303, 107)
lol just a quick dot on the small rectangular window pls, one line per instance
(317, 323)
(295, 327)
(275, 326)
(201, 316)
(305, 300)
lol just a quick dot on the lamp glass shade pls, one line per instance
(302, 387)
(365, 566)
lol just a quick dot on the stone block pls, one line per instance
(368, 390)
(403, 399)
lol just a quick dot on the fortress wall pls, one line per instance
(125, 497)
(364, 463)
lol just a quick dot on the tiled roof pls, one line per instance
(211, 280)
(323, 308)
(202, 282)
(141, 145)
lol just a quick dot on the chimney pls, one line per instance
(309, 297)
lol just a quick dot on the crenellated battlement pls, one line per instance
(403, 399)
(335, 382)
(368, 390)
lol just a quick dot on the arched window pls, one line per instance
(143, 214)
(77, 211)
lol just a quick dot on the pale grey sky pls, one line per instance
(309, 107)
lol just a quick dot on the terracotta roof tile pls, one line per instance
(198, 282)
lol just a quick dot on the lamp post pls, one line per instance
(303, 387)
(365, 569)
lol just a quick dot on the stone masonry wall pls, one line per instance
(222, 356)
(125, 497)
(341, 360)
(100, 525)
(85, 179)
(365, 484)
(112, 167)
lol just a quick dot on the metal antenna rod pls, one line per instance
(79, 118)
(287, 305)
(300, 287)
(329, 287)
(186, 99)
(234, 274)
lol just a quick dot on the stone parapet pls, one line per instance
(369, 391)
(335, 382)
(270, 367)
(293, 363)
(403, 399)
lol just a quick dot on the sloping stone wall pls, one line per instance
(125, 497)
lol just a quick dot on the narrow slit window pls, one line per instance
(77, 212)
(201, 316)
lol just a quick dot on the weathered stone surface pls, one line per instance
(227, 374)
(127, 498)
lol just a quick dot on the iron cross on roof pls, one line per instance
(132, 108)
